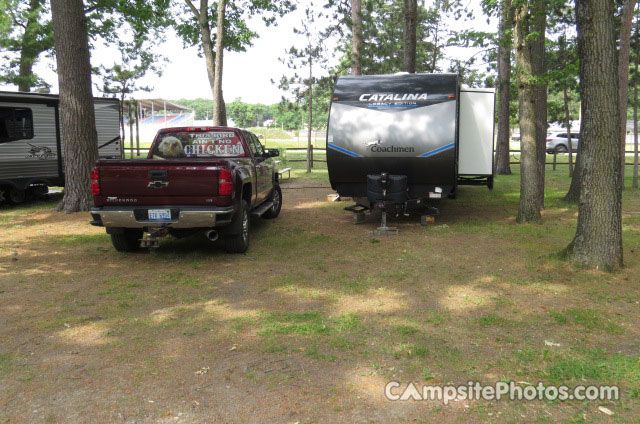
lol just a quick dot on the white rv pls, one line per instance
(31, 145)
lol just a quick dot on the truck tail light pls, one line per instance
(225, 183)
(95, 182)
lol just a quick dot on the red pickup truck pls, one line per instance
(207, 179)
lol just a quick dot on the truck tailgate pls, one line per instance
(146, 180)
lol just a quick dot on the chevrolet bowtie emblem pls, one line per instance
(158, 184)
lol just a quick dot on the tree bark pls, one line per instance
(77, 114)
(573, 195)
(634, 183)
(504, 88)
(410, 23)
(202, 15)
(356, 36)
(529, 208)
(28, 51)
(310, 88)
(623, 76)
(598, 239)
(130, 111)
(538, 69)
(567, 125)
(219, 112)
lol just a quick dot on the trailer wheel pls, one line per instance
(16, 196)
(238, 239)
(276, 198)
(2, 198)
(127, 241)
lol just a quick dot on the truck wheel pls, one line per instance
(276, 198)
(128, 241)
(238, 239)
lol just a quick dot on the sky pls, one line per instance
(246, 75)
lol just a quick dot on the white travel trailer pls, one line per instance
(400, 142)
(31, 145)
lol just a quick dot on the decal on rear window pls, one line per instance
(210, 144)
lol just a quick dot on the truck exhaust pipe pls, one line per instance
(212, 235)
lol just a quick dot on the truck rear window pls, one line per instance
(189, 144)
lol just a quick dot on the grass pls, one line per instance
(589, 319)
(597, 364)
(305, 323)
(5, 362)
(472, 297)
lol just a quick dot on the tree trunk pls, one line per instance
(623, 76)
(538, 68)
(219, 112)
(310, 88)
(436, 47)
(202, 15)
(122, 130)
(567, 125)
(137, 127)
(634, 183)
(573, 195)
(77, 114)
(504, 87)
(28, 52)
(356, 36)
(130, 111)
(598, 239)
(410, 23)
(529, 208)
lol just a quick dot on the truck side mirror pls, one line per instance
(273, 153)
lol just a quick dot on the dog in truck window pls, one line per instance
(170, 147)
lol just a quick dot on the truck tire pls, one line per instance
(127, 241)
(238, 239)
(276, 198)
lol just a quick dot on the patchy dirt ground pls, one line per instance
(314, 321)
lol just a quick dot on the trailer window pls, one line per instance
(16, 123)
(198, 144)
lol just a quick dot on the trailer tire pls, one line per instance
(15, 196)
(127, 241)
(238, 239)
(276, 198)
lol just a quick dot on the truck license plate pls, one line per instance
(159, 214)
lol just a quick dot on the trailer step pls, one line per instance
(260, 210)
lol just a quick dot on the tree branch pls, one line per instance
(193, 9)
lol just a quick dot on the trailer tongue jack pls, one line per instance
(386, 192)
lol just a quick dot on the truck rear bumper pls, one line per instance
(181, 217)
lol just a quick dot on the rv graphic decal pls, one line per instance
(376, 148)
(392, 97)
(39, 152)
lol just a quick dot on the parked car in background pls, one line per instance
(558, 142)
